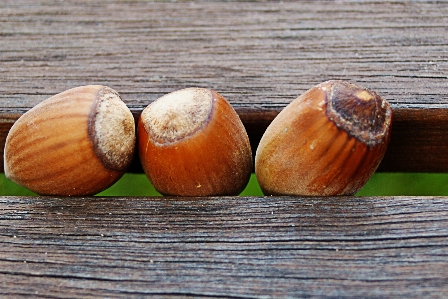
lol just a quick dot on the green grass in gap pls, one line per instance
(8, 188)
(390, 184)
(381, 184)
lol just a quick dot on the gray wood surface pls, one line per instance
(259, 55)
(247, 247)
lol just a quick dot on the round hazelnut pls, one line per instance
(78, 142)
(328, 141)
(191, 142)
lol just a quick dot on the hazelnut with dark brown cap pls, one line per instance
(328, 141)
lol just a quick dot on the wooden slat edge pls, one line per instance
(229, 247)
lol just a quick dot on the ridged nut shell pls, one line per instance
(328, 141)
(78, 142)
(192, 143)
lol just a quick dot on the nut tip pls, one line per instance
(112, 129)
(177, 115)
(361, 112)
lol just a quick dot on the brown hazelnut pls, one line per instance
(192, 143)
(328, 141)
(78, 142)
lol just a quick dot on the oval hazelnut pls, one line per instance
(78, 142)
(328, 141)
(192, 143)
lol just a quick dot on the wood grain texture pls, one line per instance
(231, 247)
(259, 55)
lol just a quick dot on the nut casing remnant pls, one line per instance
(328, 141)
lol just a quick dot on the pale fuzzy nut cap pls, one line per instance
(112, 129)
(178, 114)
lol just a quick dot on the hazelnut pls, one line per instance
(328, 141)
(78, 142)
(191, 142)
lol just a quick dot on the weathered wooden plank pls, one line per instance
(231, 247)
(259, 55)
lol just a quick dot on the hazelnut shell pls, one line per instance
(192, 143)
(328, 141)
(78, 142)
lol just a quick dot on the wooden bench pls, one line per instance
(260, 56)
